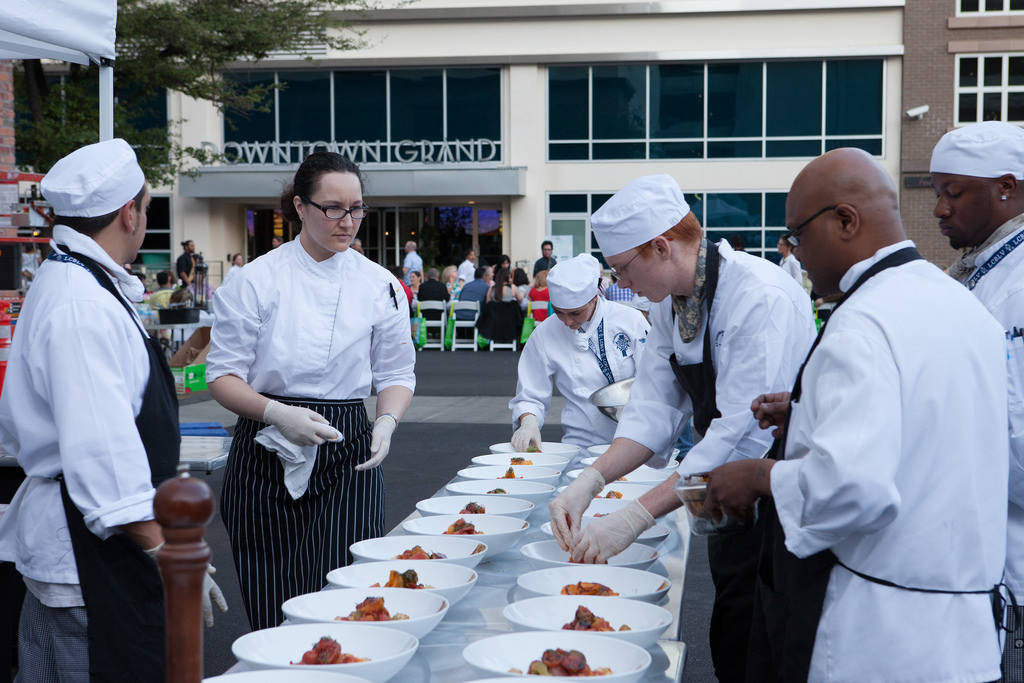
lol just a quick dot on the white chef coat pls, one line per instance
(74, 384)
(899, 469)
(290, 326)
(761, 328)
(1002, 292)
(466, 271)
(792, 267)
(552, 354)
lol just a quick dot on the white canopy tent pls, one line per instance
(80, 31)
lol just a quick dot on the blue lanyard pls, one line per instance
(994, 260)
(602, 357)
(64, 258)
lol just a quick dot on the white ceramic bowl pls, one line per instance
(388, 649)
(551, 447)
(462, 551)
(493, 505)
(596, 451)
(278, 675)
(544, 475)
(451, 581)
(498, 654)
(652, 537)
(629, 491)
(646, 621)
(632, 584)
(536, 492)
(605, 506)
(555, 462)
(641, 475)
(543, 554)
(424, 609)
(499, 533)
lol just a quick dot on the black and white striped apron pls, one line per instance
(285, 547)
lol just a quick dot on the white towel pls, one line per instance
(296, 460)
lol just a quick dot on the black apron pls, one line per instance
(121, 587)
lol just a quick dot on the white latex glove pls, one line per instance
(608, 536)
(380, 442)
(527, 435)
(568, 507)
(211, 596)
(301, 426)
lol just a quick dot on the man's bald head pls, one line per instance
(859, 214)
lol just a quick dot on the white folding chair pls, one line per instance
(429, 324)
(465, 306)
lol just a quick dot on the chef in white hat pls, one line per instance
(977, 173)
(588, 344)
(90, 412)
(725, 327)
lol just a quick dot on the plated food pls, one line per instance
(451, 549)
(546, 447)
(652, 537)
(461, 527)
(505, 473)
(482, 504)
(618, 490)
(536, 492)
(372, 609)
(641, 475)
(499, 532)
(309, 675)
(554, 461)
(633, 584)
(559, 662)
(542, 554)
(327, 651)
(588, 588)
(633, 621)
(416, 612)
(450, 581)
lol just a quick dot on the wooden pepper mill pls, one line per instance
(183, 506)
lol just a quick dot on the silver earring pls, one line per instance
(1002, 198)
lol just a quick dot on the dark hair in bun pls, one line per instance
(307, 177)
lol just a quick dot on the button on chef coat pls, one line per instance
(761, 328)
(552, 355)
(1001, 290)
(290, 326)
(74, 384)
(899, 469)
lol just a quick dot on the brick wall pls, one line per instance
(6, 115)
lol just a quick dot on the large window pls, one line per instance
(990, 88)
(396, 115)
(981, 7)
(708, 111)
(757, 219)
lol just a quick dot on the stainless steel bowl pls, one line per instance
(611, 399)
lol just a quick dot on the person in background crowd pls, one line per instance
(504, 262)
(522, 283)
(789, 262)
(90, 413)
(399, 272)
(738, 242)
(869, 530)
(539, 296)
(161, 298)
(237, 261)
(589, 344)
(476, 290)
(276, 241)
(616, 292)
(503, 289)
(433, 290)
(450, 279)
(297, 372)
(186, 264)
(467, 268)
(977, 173)
(412, 261)
(29, 265)
(415, 280)
(546, 261)
(357, 246)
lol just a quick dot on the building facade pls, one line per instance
(501, 122)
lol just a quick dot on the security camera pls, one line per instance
(918, 112)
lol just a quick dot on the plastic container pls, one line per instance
(693, 492)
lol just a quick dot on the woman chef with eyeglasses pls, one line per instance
(301, 335)
(726, 327)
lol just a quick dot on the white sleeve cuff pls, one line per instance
(137, 508)
(651, 424)
(409, 384)
(789, 504)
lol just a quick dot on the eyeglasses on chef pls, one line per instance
(793, 234)
(335, 213)
(619, 273)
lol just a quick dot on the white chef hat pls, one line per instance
(639, 212)
(94, 180)
(990, 149)
(573, 283)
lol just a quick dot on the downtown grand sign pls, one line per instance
(362, 151)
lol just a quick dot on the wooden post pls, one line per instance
(183, 506)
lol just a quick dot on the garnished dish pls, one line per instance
(533, 449)
(406, 579)
(497, 491)
(520, 460)
(473, 509)
(585, 620)
(462, 528)
(418, 553)
(509, 474)
(372, 609)
(587, 588)
(328, 651)
(561, 663)
(612, 494)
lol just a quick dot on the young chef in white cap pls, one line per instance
(301, 335)
(90, 411)
(588, 344)
(725, 327)
(977, 172)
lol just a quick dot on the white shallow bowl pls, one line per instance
(542, 554)
(424, 609)
(632, 584)
(536, 492)
(605, 506)
(652, 537)
(552, 447)
(451, 581)
(646, 621)
(629, 491)
(641, 475)
(505, 506)
(498, 654)
(499, 533)
(275, 648)
(544, 475)
(278, 675)
(555, 462)
(455, 549)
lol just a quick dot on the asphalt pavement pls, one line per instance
(460, 408)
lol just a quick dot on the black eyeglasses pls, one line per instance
(793, 234)
(618, 273)
(335, 213)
